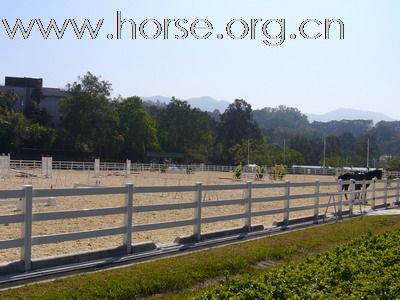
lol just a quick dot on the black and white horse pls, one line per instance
(359, 176)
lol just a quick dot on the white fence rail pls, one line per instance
(28, 195)
(111, 166)
(115, 166)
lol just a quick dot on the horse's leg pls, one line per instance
(345, 188)
(358, 195)
(365, 194)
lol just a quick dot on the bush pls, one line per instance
(366, 268)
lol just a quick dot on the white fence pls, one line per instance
(47, 167)
(312, 171)
(27, 195)
(4, 166)
(109, 166)
(114, 166)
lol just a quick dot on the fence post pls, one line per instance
(373, 193)
(197, 211)
(128, 220)
(286, 204)
(247, 206)
(316, 202)
(352, 196)
(26, 250)
(340, 198)
(385, 193)
(397, 191)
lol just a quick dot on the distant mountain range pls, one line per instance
(206, 103)
(203, 103)
(349, 114)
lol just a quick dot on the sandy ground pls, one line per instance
(69, 178)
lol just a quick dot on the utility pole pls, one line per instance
(368, 153)
(248, 151)
(284, 151)
(324, 152)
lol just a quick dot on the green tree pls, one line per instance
(182, 129)
(89, 122)
(253, 150)
(91, 85)
(333, 147)
(387, 136)
(237, 125)
(360, 151)
(347, 141)
(38, 136)
(36, 114)
(336, 161)
(12, 129)
(302, 144)
(281, 117)
(7, 102)
(294, 157)
(392, 164)
(137, 128)
(17, 131)
(275, 155)
(12, 125)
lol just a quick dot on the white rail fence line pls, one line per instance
(114, 166)
(27, 195)
(109, 166)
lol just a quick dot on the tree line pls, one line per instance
(93, 124)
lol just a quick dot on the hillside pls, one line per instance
(204, 103)
(349, 114)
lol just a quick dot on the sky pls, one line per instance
(360, 71)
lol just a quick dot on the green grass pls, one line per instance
(187, 275)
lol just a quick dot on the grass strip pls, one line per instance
(174, 274)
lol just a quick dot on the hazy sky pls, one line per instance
(361, 71)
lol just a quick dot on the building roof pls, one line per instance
(24, 82)
(53, 92)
